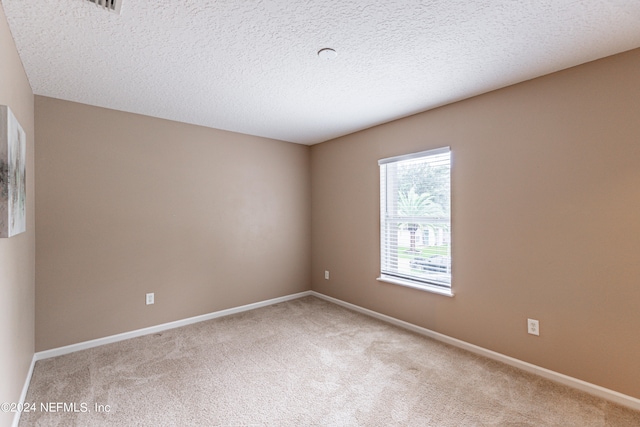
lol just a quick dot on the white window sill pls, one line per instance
(420, 286)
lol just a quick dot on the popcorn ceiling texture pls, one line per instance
(252, 66)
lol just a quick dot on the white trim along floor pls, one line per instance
(595, 390)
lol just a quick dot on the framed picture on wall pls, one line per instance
(13, 190)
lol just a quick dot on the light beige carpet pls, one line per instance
(305, 362)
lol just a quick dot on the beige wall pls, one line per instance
(129, 204)
(17, 253)
(545, 217)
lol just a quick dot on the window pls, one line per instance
(415, 220)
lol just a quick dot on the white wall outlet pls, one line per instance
(326, 275)
(150, 298)
(533, 327)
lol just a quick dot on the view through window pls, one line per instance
(415, 219)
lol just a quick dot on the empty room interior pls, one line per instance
(322, 213)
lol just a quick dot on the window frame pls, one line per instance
(388, 276)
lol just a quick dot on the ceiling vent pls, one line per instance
(110, 5)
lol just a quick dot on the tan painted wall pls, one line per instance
(17, 253)
(545, 217)
(129, 204)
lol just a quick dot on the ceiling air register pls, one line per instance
(110, 5)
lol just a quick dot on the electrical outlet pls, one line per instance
(533, 327)
(150, 298)
(326, 275)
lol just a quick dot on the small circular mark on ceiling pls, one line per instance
(327, 53)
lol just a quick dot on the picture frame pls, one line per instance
(13, 190)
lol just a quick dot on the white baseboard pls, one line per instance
(593, 389)
(590, 388)
(163, 327)
(23, 395)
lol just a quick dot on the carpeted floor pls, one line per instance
(305, 362)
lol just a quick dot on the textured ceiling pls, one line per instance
(251, 66)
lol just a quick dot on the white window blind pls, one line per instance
(415, 218)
